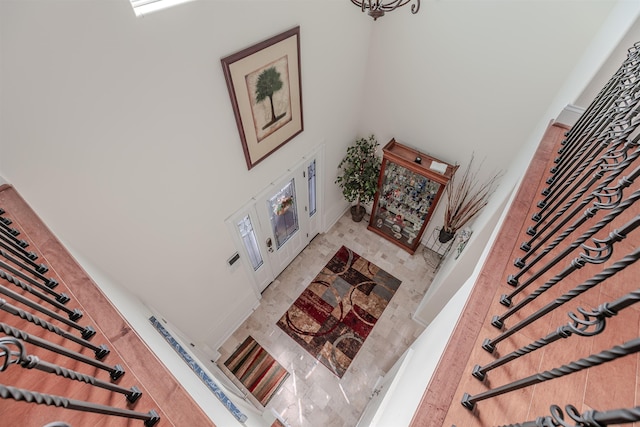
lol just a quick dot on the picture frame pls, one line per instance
(265, 87)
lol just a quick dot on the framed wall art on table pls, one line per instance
(264, 83)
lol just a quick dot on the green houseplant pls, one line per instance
(465, 197)
(359, 174)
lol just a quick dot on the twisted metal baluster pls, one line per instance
(46, 287)
(26, 257)
(595, 196)
(73, 314)
(8, 235)
(115, 372)
(598, 254)
(100, 351)
(615, 268)
(513, 280)
(7, 392)
(12, 234)
(593, 124)
(610, 141)
(87, 332)
(613, 202)
(51, 283)
(591, 323)
(620, 159)
(630, 347)
(587, 419)
(33, 362)
(611, 88)
(617, 123)
(575, 136)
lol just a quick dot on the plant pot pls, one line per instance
(357, 215)
(445, 235)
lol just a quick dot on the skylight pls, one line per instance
(143, 7)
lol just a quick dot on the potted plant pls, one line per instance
(465, 197)
(359, 177)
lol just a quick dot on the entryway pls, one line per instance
(313, 396)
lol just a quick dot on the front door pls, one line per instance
(279, 211)
(274, 228)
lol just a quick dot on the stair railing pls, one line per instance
(583, 219)
(35, 294)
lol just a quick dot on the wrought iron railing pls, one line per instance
(37, 328)
(584, 216)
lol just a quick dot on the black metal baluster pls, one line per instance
(597, 254)
(591, 323)
(62, 298)
(589, 123)
(150, 418)
(589, 418)
(614, 161)
(606, 220)
(630, 347)
(595, 108)
(575, 135)
(73, 314)
(11, 234)
(572, 189)
(576, 166)
(100, 351)
(87, 332)
(114, 371)
(615, 268)
(613, 196)
(26, 257)
(599, 134)
(21, 358)
(49, 282)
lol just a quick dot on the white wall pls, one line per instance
(119, 132)
(473, 76)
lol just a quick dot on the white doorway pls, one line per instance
(274, 227)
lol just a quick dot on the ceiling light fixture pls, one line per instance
(377, 8)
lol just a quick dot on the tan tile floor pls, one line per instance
(312, 395)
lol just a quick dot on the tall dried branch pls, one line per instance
(466, 196)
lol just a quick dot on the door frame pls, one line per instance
(265, 274)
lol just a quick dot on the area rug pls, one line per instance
(333, 316)
(257, 370)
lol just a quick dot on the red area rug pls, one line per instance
(333, 316)
(260, 373)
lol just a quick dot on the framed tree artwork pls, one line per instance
(264, 83)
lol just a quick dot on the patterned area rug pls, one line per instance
(337, 311)
(260, 373)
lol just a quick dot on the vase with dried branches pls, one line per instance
(465, 197)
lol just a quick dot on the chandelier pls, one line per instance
(377, 8)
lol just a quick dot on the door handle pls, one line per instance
(269, 244)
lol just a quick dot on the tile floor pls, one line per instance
(312, 395)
